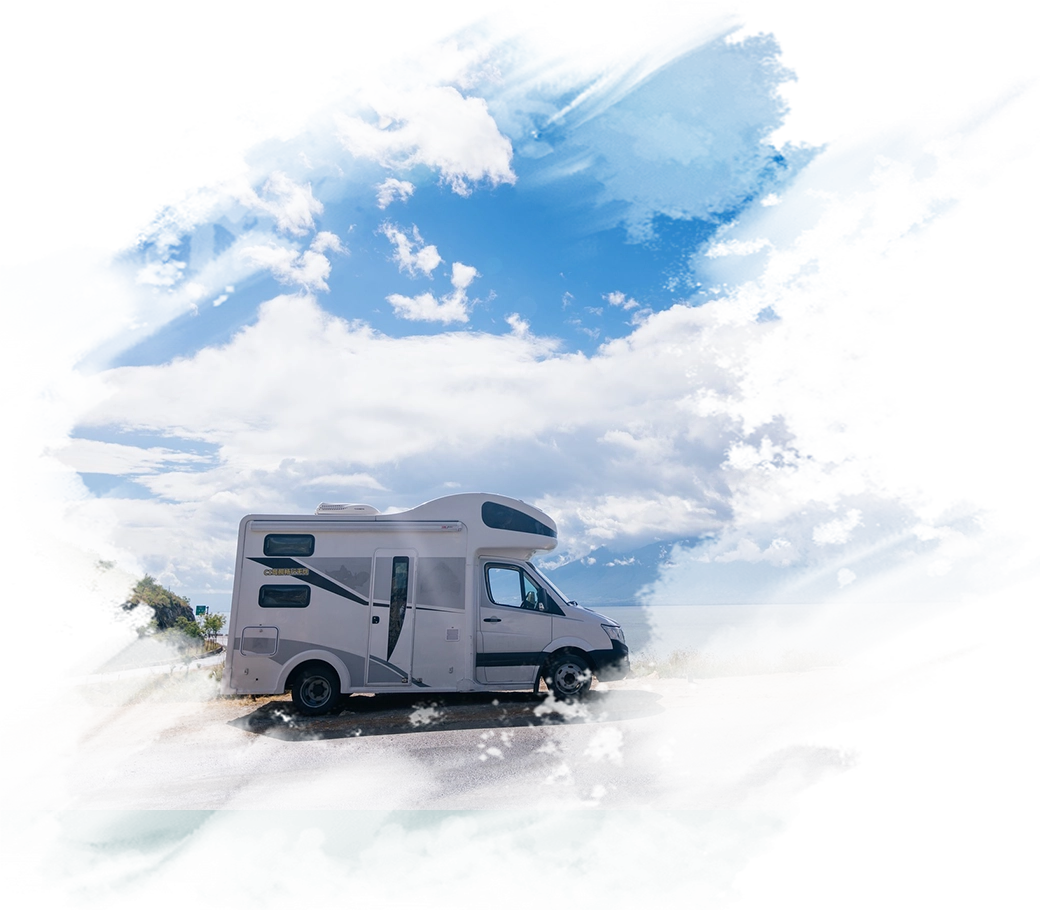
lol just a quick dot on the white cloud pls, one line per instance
(326, 240)
(427, 308)
(462, 275)
(436, 127)
(701, 421)
(411, 254)
(800, 291)
(465, 63)
(223, 170)
(955, 543)
(780, 552)
(291, 204)
(453, 307)
(392, 189)
(94, 456)
(618, 298)
(308, 269)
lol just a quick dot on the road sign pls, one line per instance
(200, 609)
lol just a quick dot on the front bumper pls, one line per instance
(612, 664)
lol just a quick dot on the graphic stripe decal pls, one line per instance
(307, 574)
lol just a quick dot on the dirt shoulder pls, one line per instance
(76, 729)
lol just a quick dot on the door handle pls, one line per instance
(375, 620)
(492, 619)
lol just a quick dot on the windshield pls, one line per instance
(562, 597)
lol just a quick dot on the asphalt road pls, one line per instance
(456, 752)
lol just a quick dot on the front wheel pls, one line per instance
(569, 677)
(315, 690)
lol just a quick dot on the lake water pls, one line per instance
(874, 630)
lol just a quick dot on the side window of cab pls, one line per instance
(511, 586)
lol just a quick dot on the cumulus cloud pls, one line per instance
(411, 254)
(464, 63)
(955, 543)
(309, 269)
(437, 127)
(700, 421)
(392, 189)
(453, 307)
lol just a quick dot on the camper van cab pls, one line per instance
(440, 598)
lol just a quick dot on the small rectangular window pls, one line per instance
(285, 595)
(289, 545)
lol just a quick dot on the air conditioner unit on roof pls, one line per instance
(347, 508)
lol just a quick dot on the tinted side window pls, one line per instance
(505, 518)
(289, 545)
(285, 595)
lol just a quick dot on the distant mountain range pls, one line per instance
(906, 568)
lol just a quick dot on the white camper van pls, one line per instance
(441, 598)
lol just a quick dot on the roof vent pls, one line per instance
(345, 508)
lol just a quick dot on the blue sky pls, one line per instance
(729, 273)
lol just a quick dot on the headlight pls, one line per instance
(614, 632)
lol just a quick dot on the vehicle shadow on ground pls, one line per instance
(394, 713)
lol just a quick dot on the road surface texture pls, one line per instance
(753, 743)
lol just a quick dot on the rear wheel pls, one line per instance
(569, 677)
(315, 689)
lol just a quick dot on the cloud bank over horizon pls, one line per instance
(825, 432)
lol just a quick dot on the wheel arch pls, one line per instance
(568, 645)
(314, 656)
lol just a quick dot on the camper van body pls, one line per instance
(440, 598)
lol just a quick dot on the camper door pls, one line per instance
(392, 619)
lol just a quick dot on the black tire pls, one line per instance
(315, 690)
(569, 677)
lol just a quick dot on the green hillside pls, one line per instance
(154, 623)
